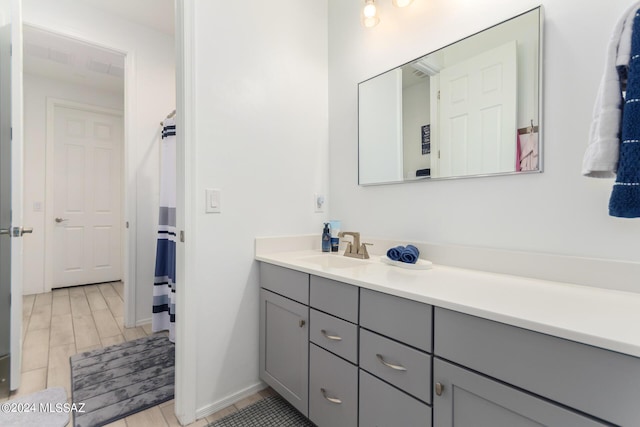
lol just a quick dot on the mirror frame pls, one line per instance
(540, 126)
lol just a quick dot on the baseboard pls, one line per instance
(229, 400)
(143, 322)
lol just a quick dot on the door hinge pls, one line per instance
(126, 224)
(438, 94)
(438, 153)
(182, 236)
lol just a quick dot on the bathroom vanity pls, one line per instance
(369, 344)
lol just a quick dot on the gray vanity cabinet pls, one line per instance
(466, 399)
(284, 334)
(596, 386)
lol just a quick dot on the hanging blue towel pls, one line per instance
(625, 197)
(410, 254)
(395, 253)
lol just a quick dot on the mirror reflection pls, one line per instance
(469, 109)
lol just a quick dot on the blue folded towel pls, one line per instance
(395, 253)
(408, 254)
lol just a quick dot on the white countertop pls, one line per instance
(604, 318)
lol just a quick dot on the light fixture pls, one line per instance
(370, 14)
(401, 3)
(370, 11)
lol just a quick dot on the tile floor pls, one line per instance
(64, 322)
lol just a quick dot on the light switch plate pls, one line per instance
(212, 200)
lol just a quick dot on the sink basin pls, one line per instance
(334, 261)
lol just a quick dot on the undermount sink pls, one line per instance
(334, 261)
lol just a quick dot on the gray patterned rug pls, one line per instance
(120, 380)
(272, 411)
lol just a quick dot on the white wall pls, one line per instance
(36, 91)
(261, 114)
(557, 211)
(152, 97)
(5, 12)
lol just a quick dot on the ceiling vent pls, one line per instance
(427, 66)
(116, 71)
(60, 57)
(97, 66)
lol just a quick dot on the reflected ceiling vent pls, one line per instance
(97, 66)
(419, 74)
(116, 71)
(105, 68)
(427, 66)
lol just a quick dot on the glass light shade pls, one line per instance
(369, 10)
(402, 3)
(370, 22)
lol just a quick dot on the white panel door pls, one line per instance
(87, 197)
(478, 114)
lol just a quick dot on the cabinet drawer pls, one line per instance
(289, 283)
(336, 335)
(403, 366)
(399, 318)
(333, 390)
(384, 406)
(592, 380)
(339, 299)
(471, 400)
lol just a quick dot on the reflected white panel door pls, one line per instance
(87, 197)
(478, 114)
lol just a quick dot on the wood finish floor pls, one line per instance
(64, 322)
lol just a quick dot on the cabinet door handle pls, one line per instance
(330, 399)
(302, 323)
(330, 337)
(439, 389)
(390, 365)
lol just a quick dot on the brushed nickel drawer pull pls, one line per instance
(439, 389)
(302, 323)
(330, 337)
(330, 399)
(390, 365)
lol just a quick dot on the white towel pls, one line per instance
(601, 158)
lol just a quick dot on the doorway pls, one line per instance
(84, 216)
(74, 144)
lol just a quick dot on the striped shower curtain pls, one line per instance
(164, 286)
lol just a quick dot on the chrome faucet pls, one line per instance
(355, 249)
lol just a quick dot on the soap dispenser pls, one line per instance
(326, 238)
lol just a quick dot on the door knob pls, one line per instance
(17, 231)
(59, 220)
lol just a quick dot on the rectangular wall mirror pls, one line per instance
(469, 109)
